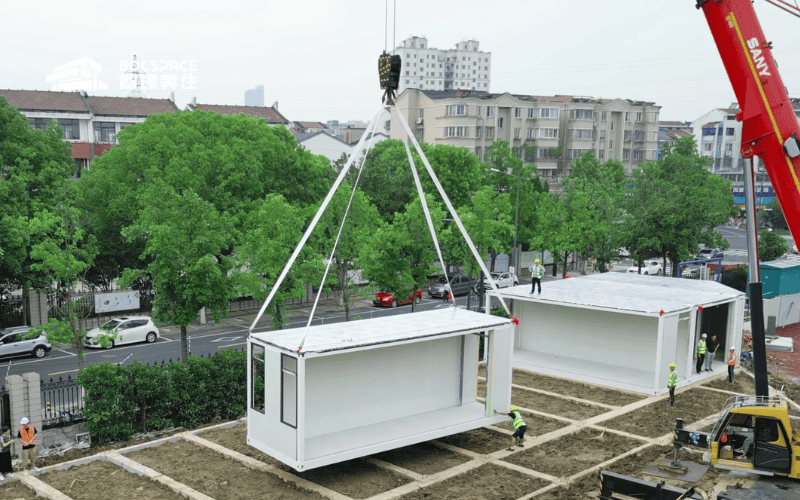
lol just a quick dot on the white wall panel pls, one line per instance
(669, 348)
(611, 338)
(368, 387)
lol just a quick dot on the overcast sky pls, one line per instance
(318, 59)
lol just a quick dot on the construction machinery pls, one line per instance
(753, 434)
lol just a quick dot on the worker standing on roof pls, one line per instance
(519, 427)
(672, 383)
(731, 363)
(711, 347)
(701, 352)
(537, 271)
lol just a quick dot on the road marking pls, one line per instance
(61, 373)
(230, 345)
(65, 352)
(226, 339)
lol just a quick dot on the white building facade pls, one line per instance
(424, 67)
(560, 128)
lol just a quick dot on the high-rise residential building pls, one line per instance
(254, 97)
(560, 127)
(427, 68)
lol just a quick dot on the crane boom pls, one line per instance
(767, 115)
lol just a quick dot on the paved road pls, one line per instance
(205, 339)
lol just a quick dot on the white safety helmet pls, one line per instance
(733, 348)
(24, 421)
(703, 335)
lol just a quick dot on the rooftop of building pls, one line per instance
(46, 100)
(672, 124)
(268, 113)
(304, 136)
(484, 95)
(130, 106)
(311, 124)
(677, 133)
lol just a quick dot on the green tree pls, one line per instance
(771, 246)
(773, 215)
(185, 240)
(400, 256)
(35, 168)
(231, 162)
(265, 250)
(386, 178)
(675, 205)
(362, 220)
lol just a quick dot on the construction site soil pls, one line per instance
(354, 478)
(654, 420)
(573, 453)
(15, 490)
(537, 425)
(487, 482)
(215, 475)
(743, 384)
(82, 482)
(554, 405)
(573, 458)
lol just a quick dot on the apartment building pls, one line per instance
(427, 68)
(90, 123)
(560, 127)
(255, 96)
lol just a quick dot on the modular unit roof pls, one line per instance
(781, 263)
(628, 292)
(385, 330)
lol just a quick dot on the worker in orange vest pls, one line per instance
(27, 436)
(731, 363)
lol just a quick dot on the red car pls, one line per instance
(386, 299)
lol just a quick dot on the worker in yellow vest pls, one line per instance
(537, 272)
(27, 436)
(701, 352)
(672, 383)
(519, 427)
(731, 363)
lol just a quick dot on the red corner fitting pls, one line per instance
(699, 308)
(661, 312)
(567, 276)
(515, 320)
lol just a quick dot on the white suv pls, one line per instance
(14, 343)
(649, 267)
(124, 330)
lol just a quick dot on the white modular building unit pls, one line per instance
(622, 330)
(367, 386)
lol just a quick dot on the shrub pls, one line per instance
(122, 399)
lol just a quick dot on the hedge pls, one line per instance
(121, 400)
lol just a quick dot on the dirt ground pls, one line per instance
(537, 425)
(94, 450)
(586, 488)
(423, 458)
(742, 383)
(655, 420)
(573, 453)
(487, 482)
(15, 490)
(483, 441)
(354, 478)
(554, 405)
(215, 475)
(81, 483)
(574, 389)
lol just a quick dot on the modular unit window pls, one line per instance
(289, 390)
(257, 379)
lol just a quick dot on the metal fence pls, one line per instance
(62, 403)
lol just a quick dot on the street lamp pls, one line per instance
(516, 219)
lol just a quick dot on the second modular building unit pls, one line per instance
(622, 330)
(367, 386)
